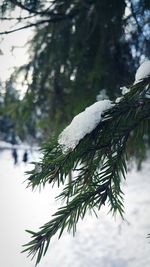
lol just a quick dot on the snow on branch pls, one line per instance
(97, 151)
(83, 124)
(87, 120)
(143, 71)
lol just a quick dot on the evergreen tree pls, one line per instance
(78, 49)
(9, 102)
(14, 115)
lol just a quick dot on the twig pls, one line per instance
(18, 18)
(31, 10)
(32, 25)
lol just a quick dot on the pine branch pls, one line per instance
(31, 10)
(17, 18)
(99, 161)
(52, 18)
(66, 217)
(40, 22)
(121, 119)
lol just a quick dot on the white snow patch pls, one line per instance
(102, 241)
(82, 124)
(22, 146)
(143, 71)
(118, 99)
(124, 90)
(102, 95)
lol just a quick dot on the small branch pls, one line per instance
(30, 10)
(54, 20)
(18, 18)
(135, 18)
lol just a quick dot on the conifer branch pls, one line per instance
(31, 10)
(30, 25)
(17, 18)
(99, 162)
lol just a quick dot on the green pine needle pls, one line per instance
(99, 162)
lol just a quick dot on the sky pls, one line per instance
(19, 55)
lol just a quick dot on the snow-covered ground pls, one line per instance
(102, 242)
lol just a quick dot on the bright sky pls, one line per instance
(10, 59)
(16, 57)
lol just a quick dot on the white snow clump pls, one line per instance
(142, 72)
(102, 95)
(82, 124)
(124, 90)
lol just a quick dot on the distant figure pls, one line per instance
(25, 157)
(15, 156)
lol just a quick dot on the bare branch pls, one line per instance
(45, 12)
(53, 19)
(18, 18)
(31, 25)
(135, 18)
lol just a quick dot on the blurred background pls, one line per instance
(58, 57)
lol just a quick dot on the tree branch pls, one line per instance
(31, 10)
(54, 20)
(99, 172)
(54, 17)
(18, 18)
(135, 17)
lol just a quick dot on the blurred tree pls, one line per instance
(9, 102)
(14, 115)
(78, 49)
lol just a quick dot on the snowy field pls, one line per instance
(102, 242)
